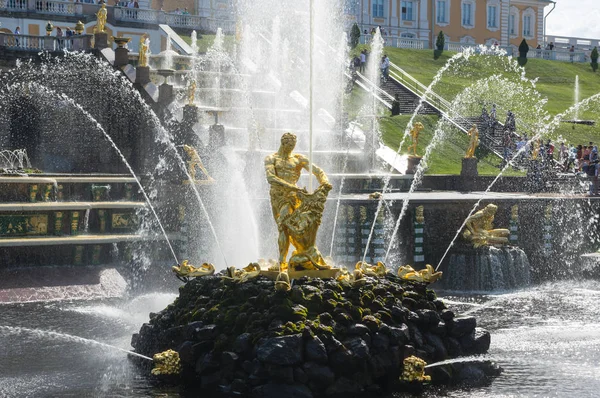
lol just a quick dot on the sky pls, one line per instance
(578, 18)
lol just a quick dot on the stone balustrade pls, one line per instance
(45, 43)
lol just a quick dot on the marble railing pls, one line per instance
(45, 43)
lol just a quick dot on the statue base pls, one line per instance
(100, 40)
(216, 136)
(121, 57)
(142, 75)
(190, 114)
(469, 167)
(165, 94)
(413, 163)
(486, 269)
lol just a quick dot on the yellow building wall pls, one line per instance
(172, 5)
(532, 42)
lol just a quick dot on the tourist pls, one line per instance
(69, 35)
(363, 60)
(396, 105)
(493, 113)
(507, 144)
(385, 67)
(185, 11)
(571, 160)
(563, 154)
(549, 153)
(17, 33)
(59, 36)
(571, 53)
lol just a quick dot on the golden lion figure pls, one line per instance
(414, 134)
(186, 270)
(194, 165)
(479, 229)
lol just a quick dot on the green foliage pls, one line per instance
(437, 53)
(522, 61)
(440, 42)
(594, 58)
(523, 49)
(354, 36)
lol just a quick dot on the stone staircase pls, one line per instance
(408, 100)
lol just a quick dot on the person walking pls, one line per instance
(363, 60)
(17, 33)
(59, 36)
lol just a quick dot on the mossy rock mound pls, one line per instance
(321, 338)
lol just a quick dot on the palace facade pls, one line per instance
(502, 22)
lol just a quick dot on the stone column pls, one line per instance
(142, 75)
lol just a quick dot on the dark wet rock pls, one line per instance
(284, 350)
(320, 376)
(476, 342)
(315, 350)
(459, 327)
(343, 386)
(282, 390)
(242, 343)
(358, 347)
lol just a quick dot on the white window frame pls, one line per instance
(528, 13)
(408, 35)
(376, 7)
(471, 17)
(413, 9)
(496, 15)
(446, 20)
(513, 14)
(467, 40)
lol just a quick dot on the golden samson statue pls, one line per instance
(479, 229)
(297, 213)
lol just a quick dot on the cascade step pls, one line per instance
(76, 240)
(63, 206)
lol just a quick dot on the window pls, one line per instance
(527, 26)
(442, 11)
(378, 8)
(467, 14)
(492, 17)
(407, 11)
(511, 24)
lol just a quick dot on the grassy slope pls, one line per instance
(555, 81)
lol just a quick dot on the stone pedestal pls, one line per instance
(413, 163)
(216, 136)
(100, 40)
(142, 75)
(190, 114)
(486, 268)
(469, 167)
(121, 57)
(49, 43)
(165, 94)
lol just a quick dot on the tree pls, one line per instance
(354, 35)
(523, 50)
(594, 58)
(439, 45)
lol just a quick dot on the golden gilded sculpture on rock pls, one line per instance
(479, 229)
(414, 134)
(191, 92)
(186, 270)
(143, 53)
(101, 19)
(473, 143)
(414, 370)
(297, 213)
(427, 275)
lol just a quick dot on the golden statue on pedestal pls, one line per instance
(191, 92)
(296, 212)
(414, 134)
(101, 19)
(479, 229)
(143, 52)
(473, 143)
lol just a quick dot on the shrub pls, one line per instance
(594, 58)
(354, 36)
(523, 50)
(441, 41)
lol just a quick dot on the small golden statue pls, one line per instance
(414, 134)
(101, 19)
(143, 52)
(191, 92)
(166, 363)
(473, 143)
(414, 370)
(479, 229)
(194, 164)
(427, 275)
(186, 270)
(419, 218)
(548, 213)
(297, 213)
(514, 213)
(536, 150)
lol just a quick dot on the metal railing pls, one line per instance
(45, 43)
